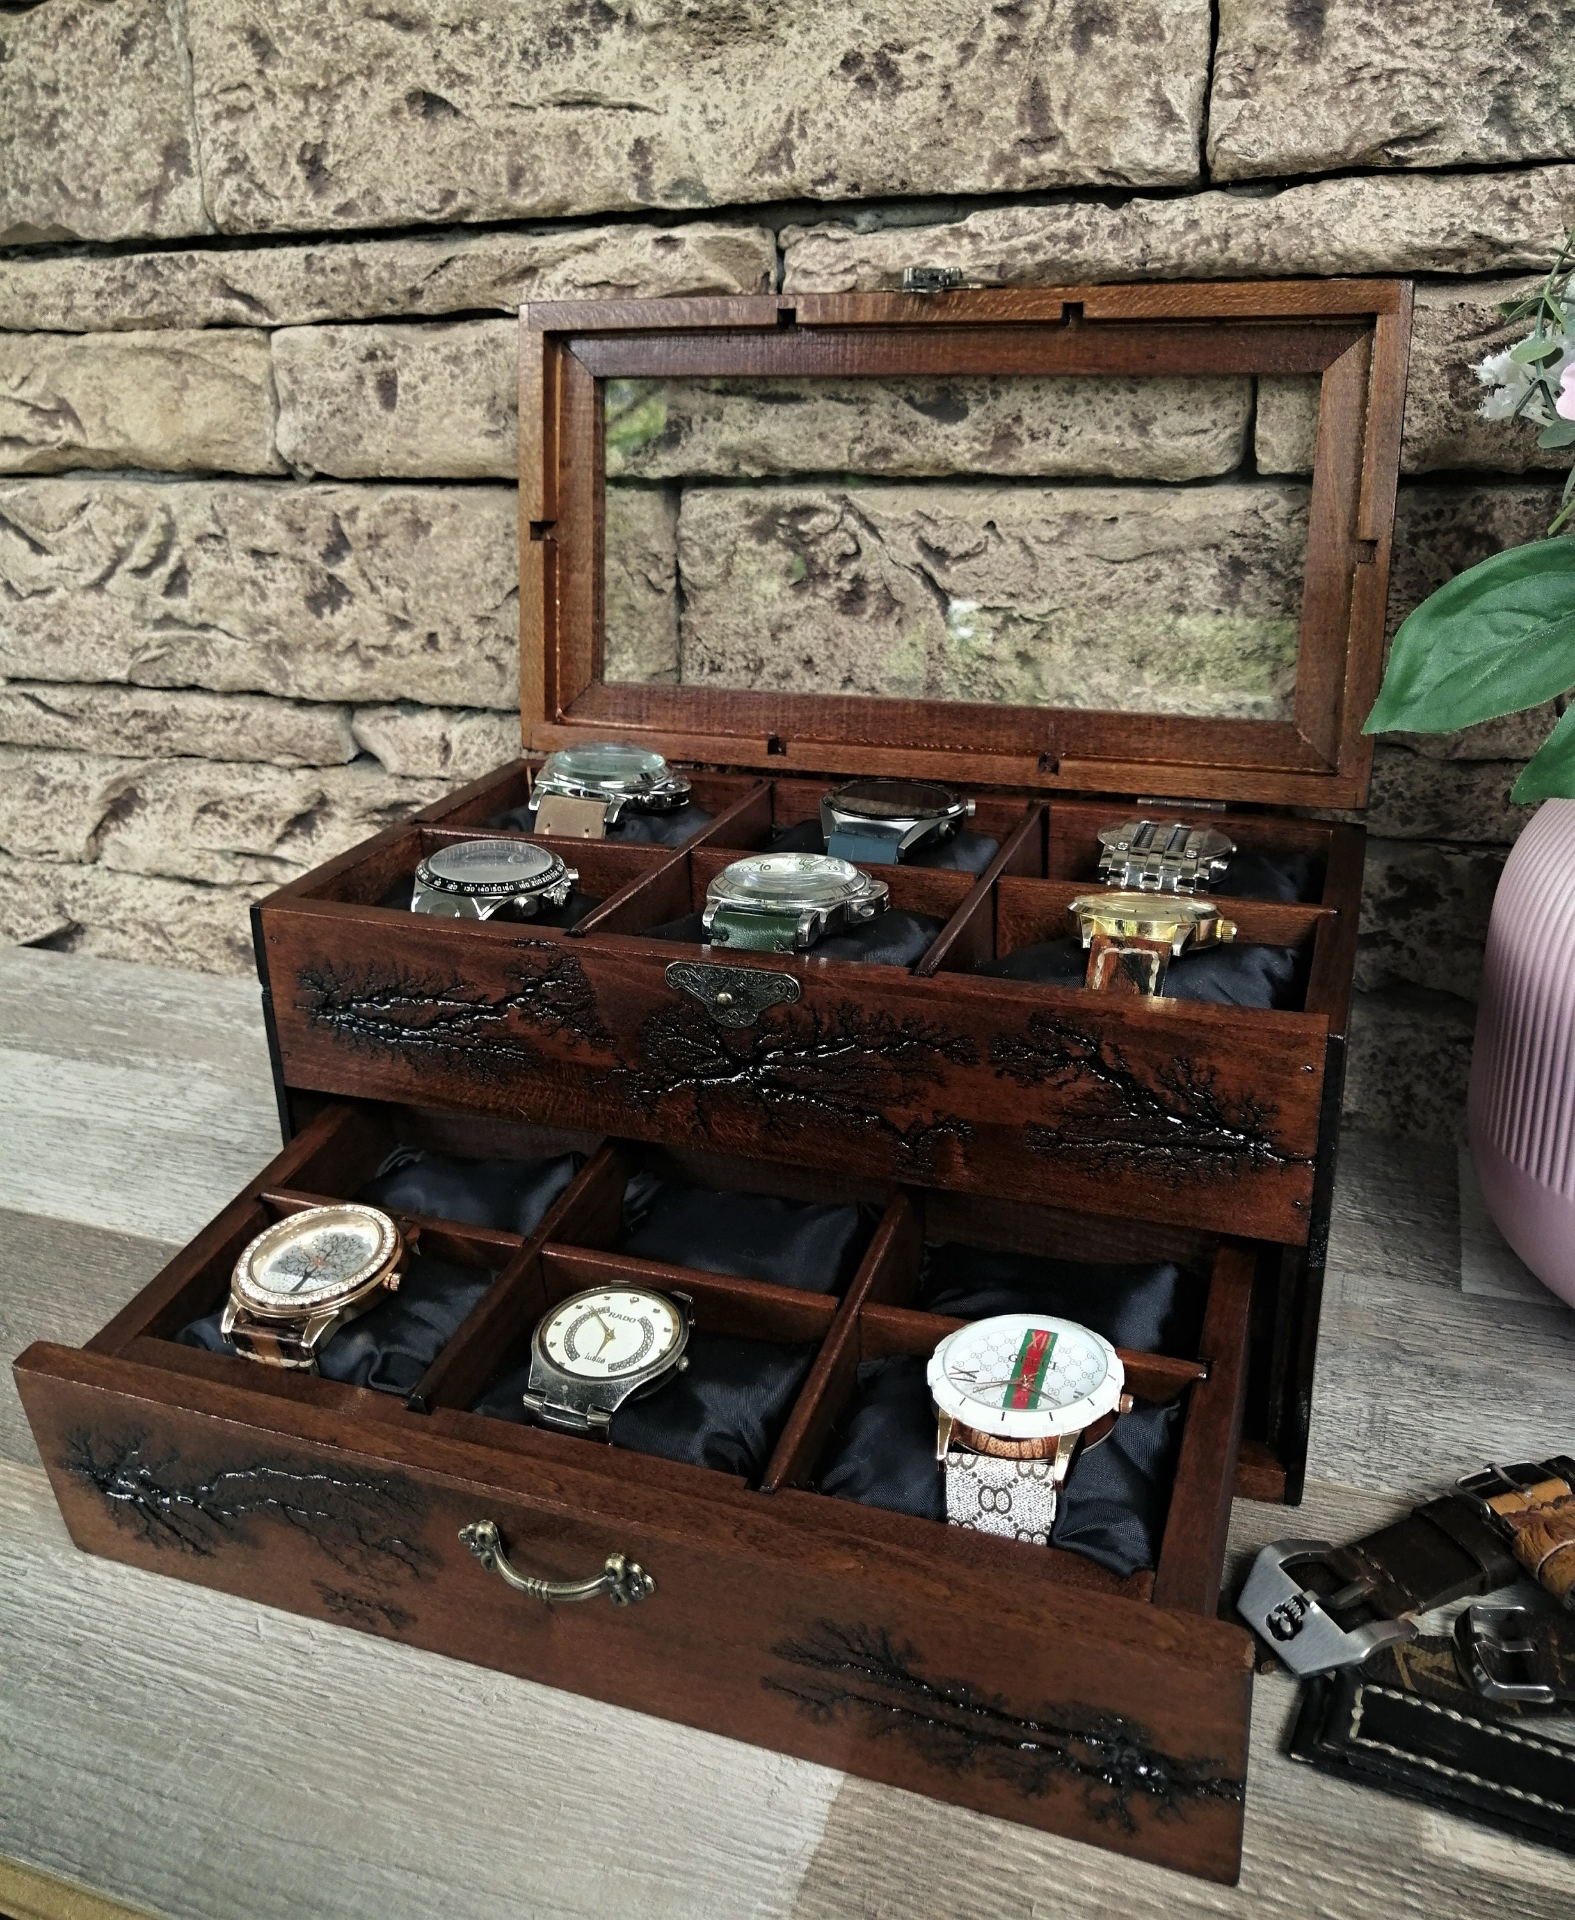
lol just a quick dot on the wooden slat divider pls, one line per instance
(1192, 1554)
(968, 938)
(447, 1239)
(890, 1266)
(724, 1303)
(588, 1210)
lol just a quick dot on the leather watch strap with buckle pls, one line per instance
(1533, 1507)
(1321, 1607)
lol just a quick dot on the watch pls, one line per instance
(880, 822)
(785, 902)
(1013, 1396)
(594, 1351)
(584, 790)
(1162, 856)
(1131, 938)
(305, 1277)
(476, 879)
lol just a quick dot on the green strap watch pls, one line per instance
(762, 932)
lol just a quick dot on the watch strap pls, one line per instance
(1533, 1508)
(1404, 1722)
(1446, 1550)
(866, 846)
(274, 1344)
(1013, 1498)
(1126, 965)
(754, 932)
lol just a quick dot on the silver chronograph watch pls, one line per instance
(583, 791)
(475, 879)
(300, 1280)
(595, 1350)
(880, 822)
(1014, 1394)
(786, 902)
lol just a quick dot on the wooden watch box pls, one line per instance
(966, 1107)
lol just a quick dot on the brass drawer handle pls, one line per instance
(621, 1580)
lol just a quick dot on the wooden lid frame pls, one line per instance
(1354, 333)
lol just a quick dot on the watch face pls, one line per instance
(489, 867)
(313, 1258)
(605, 765)
(1144, 916)
(610, 1333)
(788, 882)
(894, 799)
(1025, 1376)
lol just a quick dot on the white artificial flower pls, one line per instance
(1516, 386)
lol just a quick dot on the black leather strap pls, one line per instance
(1398, 1723)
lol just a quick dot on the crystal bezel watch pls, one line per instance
(620, 776)
(787, 902)
(475, 879)
(584, 1402)
(287, 1328)
(879, 822)
(1005, 1443)
(1162, 856)
(1131, 938)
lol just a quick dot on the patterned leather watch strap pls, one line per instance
(277, 1346)
(1127, 966)
(1533, 1504)
(1013, 1498)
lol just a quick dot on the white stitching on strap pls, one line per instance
(1554, 1748)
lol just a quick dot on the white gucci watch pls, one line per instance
(1013, 1396)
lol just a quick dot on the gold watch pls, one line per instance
(1131, 938)
(305, 1277)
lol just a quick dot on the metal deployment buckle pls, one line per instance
(1298, 1624)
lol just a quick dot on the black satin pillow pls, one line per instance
(634, 829)
(964, 852)
(1283, 877)
(573, 910)
(1112, 1508)
(511, 1194)
(1229, 975)
(1153, 1308)
(726, 1411)
(753, 1236)
(892, 939)
(391, 1347)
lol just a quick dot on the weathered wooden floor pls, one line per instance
(193, 1754)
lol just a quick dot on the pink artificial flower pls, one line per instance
(1564, 406)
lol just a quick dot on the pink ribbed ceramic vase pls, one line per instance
(1522, 1112)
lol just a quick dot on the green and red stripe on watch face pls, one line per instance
(1028, 1370)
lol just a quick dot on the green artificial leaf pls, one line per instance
(1535, 348)
(1560, 434)
(1497, 639)
(1550, 772)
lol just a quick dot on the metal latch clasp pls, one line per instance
(733, 996)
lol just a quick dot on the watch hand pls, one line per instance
(609, 1334)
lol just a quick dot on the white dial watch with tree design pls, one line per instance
(305, 1277)
(1013, 1396)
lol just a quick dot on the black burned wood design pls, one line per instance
(366, 1524)
(393, 1009)
(846, 1068)
(846, 1672)
(1177, 1126)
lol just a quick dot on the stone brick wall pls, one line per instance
(257, 555)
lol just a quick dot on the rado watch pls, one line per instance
(1162, 856)
(1132, 938)
(305, 1277)
(475, 879)
(1013, 1396)
(879, 822)
(582, 791)
(596, 1350)
(785, 902)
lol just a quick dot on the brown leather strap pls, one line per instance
(1445, 1550)
(274, 1346)
(1535, 1507)
(1126, 966)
